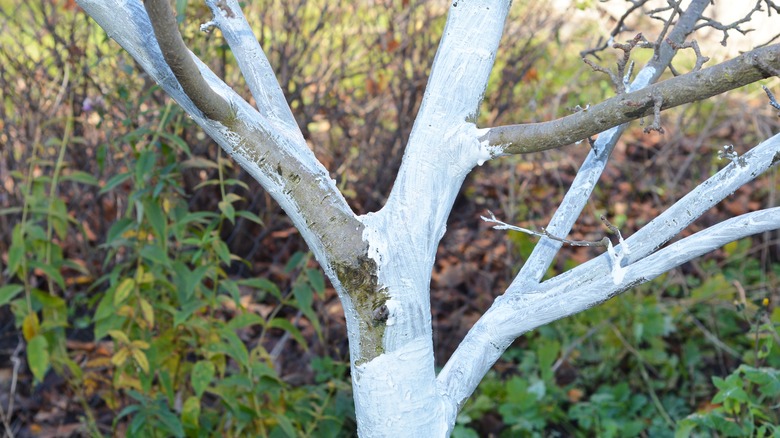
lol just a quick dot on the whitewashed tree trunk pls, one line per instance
(380, 263)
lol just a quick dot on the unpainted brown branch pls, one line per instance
(178, 58)
(692, 87)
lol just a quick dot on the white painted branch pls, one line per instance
(478, 351)
(512, 316)
(569, 295)
(442, 150)
(520, 310)
(278, 159)
(254, 65)
(577, 197)
(403, 236)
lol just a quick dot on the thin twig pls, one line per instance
(543, 233)
(772, 100)
(6, 418)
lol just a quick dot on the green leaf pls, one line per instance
(59, 217)
(186, 280)
(81, 177)
(287, 326)
(250, 216)
(232, 288)
(236, 348)
(768, 379)
(198, 163)
(222, 251)
(48, 300)
(114, 181)
(155, 254)
(294, 261)
(176, 140)
(730, 389)
(201, 377)
(285, 424)
(123, 291)
(170, 422)
(145, 164)
(9, 292)
(228, 210)
(38, 356)
(50, 271)
(547, 352)
(317, 281)
(154, 213)
(262, 284)
(127, 411)
(186, 311)
(245, 320)
(15, 257)
(303, 294)
(118, 229)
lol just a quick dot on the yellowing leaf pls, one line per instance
(140, 359)
(98, 362)
(125, 310)
(30, 326)
(120, 357)
(190, 411)
(123, 290)
(125, 381)
(147, 278)
(143, 345)
(148, 312)
(119, 336)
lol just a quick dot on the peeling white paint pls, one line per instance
(642, 80)
(618, 272)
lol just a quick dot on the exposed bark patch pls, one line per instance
(361, 284)
(222, 4)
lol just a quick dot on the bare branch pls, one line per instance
(178, 58)
(735, 25)
(500, 225)
(700, 59)
(616, 30)
(772, 100)
(533, 137)
(621, 78)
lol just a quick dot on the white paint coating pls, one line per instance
(394, 394)
(618, 272)
(643, 79)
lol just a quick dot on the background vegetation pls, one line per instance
(150, 288)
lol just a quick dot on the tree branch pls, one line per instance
(178, 58)
(553, 300)
(487, 340)
(533, 137)
(464, 363)
(567, 213)
(254, 65)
